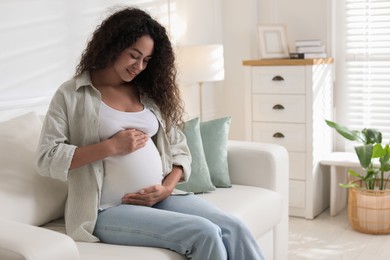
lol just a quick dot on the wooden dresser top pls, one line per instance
(287, 62)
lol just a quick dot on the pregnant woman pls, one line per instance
(113, 133)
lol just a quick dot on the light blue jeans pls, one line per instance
(186, 224)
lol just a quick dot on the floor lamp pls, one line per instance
(200, 63)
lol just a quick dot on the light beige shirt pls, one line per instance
(71, 121)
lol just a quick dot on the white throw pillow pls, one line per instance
(26, 196)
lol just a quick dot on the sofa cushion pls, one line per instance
(199, 180)
(26, 196)
(261, 209)
(214, 138)
(99, 251)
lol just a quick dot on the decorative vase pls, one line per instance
(369, 210)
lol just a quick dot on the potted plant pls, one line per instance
(369, 194)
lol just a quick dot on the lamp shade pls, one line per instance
(200, 63)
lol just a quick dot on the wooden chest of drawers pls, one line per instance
(288, 101)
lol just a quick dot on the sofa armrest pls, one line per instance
(266, 166)
(258, 164)
(20, 241)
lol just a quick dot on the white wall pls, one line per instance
(41, 42)
(200, 23)
(239, 39)
(304, 19)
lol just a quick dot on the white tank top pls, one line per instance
(134, 171)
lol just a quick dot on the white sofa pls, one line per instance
(31, 226)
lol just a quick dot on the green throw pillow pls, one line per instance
(214, 137)
(199, 180)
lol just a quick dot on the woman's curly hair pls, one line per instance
(158, 81)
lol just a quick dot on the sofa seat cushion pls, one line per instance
(99, 251)
(260, 209)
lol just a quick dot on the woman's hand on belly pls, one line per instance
(147, 196)
(129, 140)
(156, 193)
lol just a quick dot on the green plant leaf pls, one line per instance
(386, 157)
(378, 151)
(367, 153)
(349, 185)
(385, 167)
(364, 153)
(370, 175)
(355, 174)
(372, 135)
(346, 133)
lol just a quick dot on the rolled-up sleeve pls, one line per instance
(180, 152)
(54, 153)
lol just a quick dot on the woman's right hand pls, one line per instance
(129, 140)
(122, 143)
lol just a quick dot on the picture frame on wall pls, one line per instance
(273, 41)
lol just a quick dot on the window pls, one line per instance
(366, 66)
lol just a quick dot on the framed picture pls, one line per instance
(272, 42)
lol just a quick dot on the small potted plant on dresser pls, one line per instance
(369, 191)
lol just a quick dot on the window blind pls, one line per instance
(367, 65)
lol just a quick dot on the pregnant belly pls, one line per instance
(130, 173)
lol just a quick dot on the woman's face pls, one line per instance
(134, 59)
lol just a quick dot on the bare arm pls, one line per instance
(122, 143)
(173, 178)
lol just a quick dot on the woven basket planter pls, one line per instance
(369, 210)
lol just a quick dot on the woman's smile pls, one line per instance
(132, 73)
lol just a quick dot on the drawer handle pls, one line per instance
(278, 107)
(277, 78)
(278, 135)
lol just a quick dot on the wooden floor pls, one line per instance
(333, 238)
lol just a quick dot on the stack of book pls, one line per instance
(309, 49)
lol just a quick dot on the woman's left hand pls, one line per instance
(147, 196)
(156, 193)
